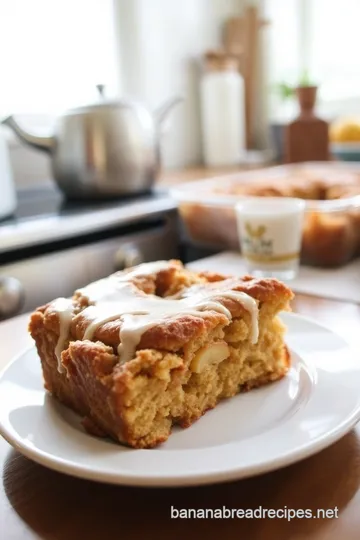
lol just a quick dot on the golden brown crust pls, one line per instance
(306, 184)
(170, 335)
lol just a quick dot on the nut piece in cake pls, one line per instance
(208, 355)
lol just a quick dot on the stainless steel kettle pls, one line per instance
(109, 148)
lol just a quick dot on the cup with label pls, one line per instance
(270, 231)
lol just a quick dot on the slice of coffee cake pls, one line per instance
(159, 345)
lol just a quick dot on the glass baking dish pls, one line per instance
(331, 230)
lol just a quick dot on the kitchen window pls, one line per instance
(319, 39)
(53, 54)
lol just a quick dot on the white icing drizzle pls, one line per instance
(64, 308)
(98, 291)
(140, 312)
(104, 289)
(116, 298)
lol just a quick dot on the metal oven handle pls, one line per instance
(128, 255)
(11, 297)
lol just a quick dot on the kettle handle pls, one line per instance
(161, 113)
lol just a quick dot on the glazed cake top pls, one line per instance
(117, 297)
(159, 305)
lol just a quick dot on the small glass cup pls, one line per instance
(270, 231)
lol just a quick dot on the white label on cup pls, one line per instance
(274, 239)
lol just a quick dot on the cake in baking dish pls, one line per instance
(331, 230)
(159, 345)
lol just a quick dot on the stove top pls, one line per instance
(47, 201)
(43, 215)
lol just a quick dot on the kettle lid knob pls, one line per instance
(101, 89)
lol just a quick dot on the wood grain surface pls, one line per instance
(38, 503)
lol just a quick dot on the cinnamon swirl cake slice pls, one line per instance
(159, 345)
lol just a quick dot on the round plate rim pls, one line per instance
(212, 477)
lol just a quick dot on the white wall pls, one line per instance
(160, 44)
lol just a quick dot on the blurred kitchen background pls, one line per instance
(53, 54)
(236, 65)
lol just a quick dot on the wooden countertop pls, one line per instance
(38, 503)
(173, 177)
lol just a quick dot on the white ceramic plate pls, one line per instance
(313, 406)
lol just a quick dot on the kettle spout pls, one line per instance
(161, 113)
(41, 143)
